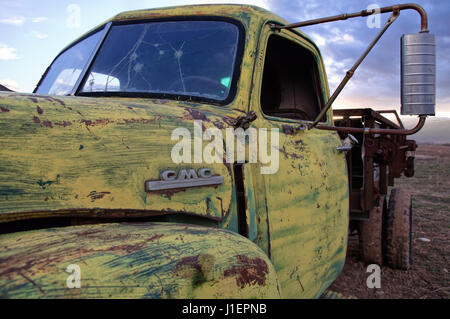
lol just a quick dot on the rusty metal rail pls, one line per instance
(368, 130)
(363, 13)
(377, 159)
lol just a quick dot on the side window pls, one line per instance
(291, 84)
(66, 69)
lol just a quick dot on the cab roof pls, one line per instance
(240, 12)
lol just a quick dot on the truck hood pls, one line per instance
(78, 156)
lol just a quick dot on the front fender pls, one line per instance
(134, 260)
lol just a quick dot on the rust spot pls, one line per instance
(155, 237)
(196, 267)
(47, 124)
(131, 248)
(190, 261)
(287, 155)
(142, 121)
(4, 109)
(52, 99)
(196, 115)
(33, 99)
(39, 110)
(230, 121)
(36, 120)
(219, 124)
(248, 271)
(288, 130)
(96, 122)
(64, 123)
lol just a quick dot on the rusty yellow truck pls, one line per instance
(101, 195)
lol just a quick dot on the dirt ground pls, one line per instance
(429, 275)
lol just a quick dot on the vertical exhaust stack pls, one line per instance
(418, 74)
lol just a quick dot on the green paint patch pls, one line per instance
(46, 184)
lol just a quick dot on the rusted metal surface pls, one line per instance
(364, 13)
(384, 157)
(135, 260)
(368, 130)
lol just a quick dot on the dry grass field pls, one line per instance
(429, 275)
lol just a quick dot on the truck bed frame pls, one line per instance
(376, 160)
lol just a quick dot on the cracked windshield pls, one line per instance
(191, 58)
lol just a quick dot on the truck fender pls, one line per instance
(134, 260)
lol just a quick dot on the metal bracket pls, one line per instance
(244, 121)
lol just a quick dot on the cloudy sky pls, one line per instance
(33, 32)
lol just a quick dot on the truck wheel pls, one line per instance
(398, 241)
(370, 234)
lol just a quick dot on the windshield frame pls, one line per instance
(178, 97)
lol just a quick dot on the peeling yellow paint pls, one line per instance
(145, 260)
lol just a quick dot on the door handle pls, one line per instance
(347, 143)
(344, 148)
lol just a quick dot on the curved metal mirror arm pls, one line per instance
(395, 13)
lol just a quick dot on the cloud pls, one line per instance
(318, 39)
(39, 35)
(39, 19)
(341, 39)
(7, 53)
(17, 21)
(10, 84)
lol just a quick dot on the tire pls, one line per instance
(398, 241)
(371, 234)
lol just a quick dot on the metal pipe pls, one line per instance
(363, 13)
(395, 12)
(368, 130)
(350, 72)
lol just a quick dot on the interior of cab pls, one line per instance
(291, 85)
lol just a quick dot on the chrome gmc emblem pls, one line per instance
(185, 178)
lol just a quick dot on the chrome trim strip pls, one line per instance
(185, 183)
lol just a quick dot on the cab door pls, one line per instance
(307, 198)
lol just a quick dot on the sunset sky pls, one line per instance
(33, 32)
